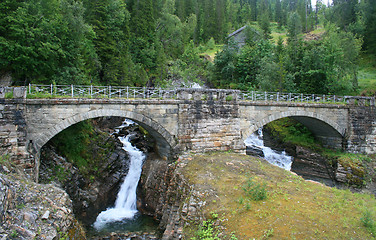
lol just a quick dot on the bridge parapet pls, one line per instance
(360, 100)
(13, 92)
(120, 92)
(207, 94)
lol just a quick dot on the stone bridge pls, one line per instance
(189, 122)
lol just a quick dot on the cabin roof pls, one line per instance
(236, 32)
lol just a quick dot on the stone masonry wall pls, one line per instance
(13, 133)
(362, 123)
(209, 126)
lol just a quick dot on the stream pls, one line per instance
(124, 217)
(280, 159)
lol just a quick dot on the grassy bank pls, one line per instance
(291, 209)
(367, 75)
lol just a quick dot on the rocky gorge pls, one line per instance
(168, 191)
(162, 189)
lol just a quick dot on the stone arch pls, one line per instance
(334, 130)
(164, 139)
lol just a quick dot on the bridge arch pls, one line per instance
(165, 141)
(327, 130)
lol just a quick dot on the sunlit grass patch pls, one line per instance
(294, 208)
(367, 75)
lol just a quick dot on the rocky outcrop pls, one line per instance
(90, 196)
(35, 211)
(313, 166)
(169, 197)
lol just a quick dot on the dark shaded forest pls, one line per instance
(154, 43)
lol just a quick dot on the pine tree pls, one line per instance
(142, 26)
(278, 13)
(370, 27)
(110, 20)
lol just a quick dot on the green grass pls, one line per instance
(294, 208)
(277, 33)
(367, 75)
(211, 52)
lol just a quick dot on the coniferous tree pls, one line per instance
(370, 27)
(110, 21)
(344, 12)
(142, 26)
(278, 13)
(44, 41)
(254, 12)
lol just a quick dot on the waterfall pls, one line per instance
(281, 159)
(125, 204)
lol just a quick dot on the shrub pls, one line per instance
(255, 190)
(206, 232)
(369, 222)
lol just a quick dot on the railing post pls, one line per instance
(72, 90)
(144, 92)
(266, 98)
(29, 88)
(301, 97)
(252, 96)
(51, 90)
(277, 96)
(127, 92)
(160, 92)
(109, 91)
(289, 97)
(313, 97)
(91, 91)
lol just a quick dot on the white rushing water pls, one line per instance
(279, 159)
(126, 201)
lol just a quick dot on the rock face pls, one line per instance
(313, 166)
(306, 163)
(169, 197)
(35, 211)
(89, 196)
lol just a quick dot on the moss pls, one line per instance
(292, 132)
(84, 147)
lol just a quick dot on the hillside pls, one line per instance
(288, 206)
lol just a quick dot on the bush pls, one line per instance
(369, 222)
(206, 232)
(255, 190)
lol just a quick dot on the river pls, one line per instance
(280, 159)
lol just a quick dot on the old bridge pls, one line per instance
(184, 119)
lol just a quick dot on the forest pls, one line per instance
(161, 43)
